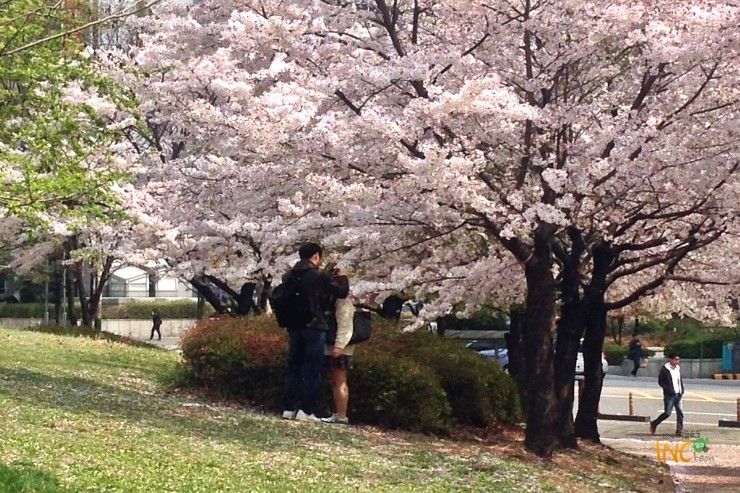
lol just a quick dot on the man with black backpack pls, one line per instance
(303, 304)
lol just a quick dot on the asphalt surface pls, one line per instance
(170, 343)
(705, 403)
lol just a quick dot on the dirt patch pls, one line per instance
(634, 473)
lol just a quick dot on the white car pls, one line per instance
(489, 351)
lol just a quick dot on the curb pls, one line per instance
(624, 417)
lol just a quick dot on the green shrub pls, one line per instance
(24, 310)
(478, 391)
(485, 319)
(397, 394)
(614, 353)
(680, 329)
(169, 309)
(692, 348)
(412, 381)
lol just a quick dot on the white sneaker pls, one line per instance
(334, 419)
(301, 416)
(289, 414)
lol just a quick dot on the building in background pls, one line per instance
(133, 282)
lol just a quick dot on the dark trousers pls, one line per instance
(669, 402)
(305, 366)
(637, 366)
(155, 328)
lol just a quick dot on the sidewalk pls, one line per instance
(716, 471)
(169, 343)
(653, 380)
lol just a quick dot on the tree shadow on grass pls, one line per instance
(84, 397)
(17, 479)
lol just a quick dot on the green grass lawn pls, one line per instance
(78, 414)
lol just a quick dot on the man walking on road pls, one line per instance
(669, 378)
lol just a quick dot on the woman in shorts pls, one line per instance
(339, 360)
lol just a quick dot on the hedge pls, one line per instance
(417, 381)
(24, 310)
(486, 319)
(169, 309)
(692, 348)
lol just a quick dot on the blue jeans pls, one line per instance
(305, 366)
(669, 402)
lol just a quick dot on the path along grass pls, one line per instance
(89, 415)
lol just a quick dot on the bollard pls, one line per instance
(631, 406)
(738, 409)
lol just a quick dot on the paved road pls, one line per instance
(705, 403)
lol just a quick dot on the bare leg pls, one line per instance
(340, 390)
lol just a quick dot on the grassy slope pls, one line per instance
(86, 415)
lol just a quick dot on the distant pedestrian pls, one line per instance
(635, 354)
(669, 378)
(156, 324)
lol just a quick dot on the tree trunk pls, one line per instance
(245, 299)
(70, 294)
(588, 411)
(391, 307)
(265, 293)
(569, 330)
(569, 333)
(516, 355)
(87, 320)
(207, 293)
(595, 318)
(71, 309)
(152, 282)
(58, 295)
(540, 435)
(97, 295)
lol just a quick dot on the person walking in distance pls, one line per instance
(317, 290)
(669, 379)
(156, 324)
(635, 354)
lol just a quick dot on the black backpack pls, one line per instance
(362, 328)
(291, 309)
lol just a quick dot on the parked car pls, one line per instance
(489, 350)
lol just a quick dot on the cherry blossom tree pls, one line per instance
(466, 151)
